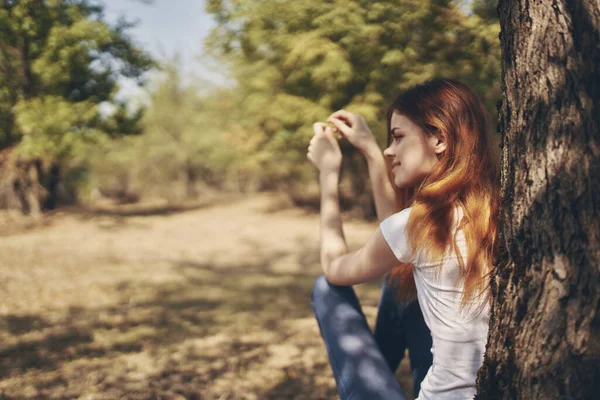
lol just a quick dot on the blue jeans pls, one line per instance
(363, 362)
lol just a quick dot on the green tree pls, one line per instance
(188, 142)
(183, 133)
(296, 62)
(59, 60)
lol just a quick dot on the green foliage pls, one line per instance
(59, 60)
(59, 56)
(179, 133)
(187, 141)
(54, 128)
(64, 65)
(296, 62)
(486, 9)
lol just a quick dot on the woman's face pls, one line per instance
(413, 153)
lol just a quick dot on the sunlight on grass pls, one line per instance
(154, 312)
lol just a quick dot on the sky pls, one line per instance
(167, 27)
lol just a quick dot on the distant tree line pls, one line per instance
(292, 63)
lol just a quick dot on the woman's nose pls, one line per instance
(388, 152)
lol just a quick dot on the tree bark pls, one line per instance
(544, 340)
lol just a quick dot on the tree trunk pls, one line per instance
(25, 181)
(544, 340)
(190, 181)
(51, 183)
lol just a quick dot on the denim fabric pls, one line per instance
(401, 326)
(363, 363)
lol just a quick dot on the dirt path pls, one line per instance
(204, 304)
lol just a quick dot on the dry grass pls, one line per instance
(211, 303)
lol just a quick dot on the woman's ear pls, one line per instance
(438, 143)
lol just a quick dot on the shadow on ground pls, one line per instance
(229, 332)
(189, 329)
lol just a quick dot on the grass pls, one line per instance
(208, 302)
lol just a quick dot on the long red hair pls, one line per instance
(467, 175)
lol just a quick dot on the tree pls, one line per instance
(59, 61)
(544, 340)
(188, 142)
(184, 133)
(296, 62)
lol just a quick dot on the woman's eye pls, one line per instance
(397, 137)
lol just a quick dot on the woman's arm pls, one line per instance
(324, 152)
(375, 258)
(354, 128)
(333, 242)
(372, 261)
(383, 192)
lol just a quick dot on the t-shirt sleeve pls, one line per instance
(393, 229)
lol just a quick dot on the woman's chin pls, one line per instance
(403, 184)
(400, 184)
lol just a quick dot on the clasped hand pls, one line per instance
(324, 151)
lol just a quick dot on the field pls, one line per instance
(206, 303)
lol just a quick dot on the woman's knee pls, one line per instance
(319, 290)
(327, 297)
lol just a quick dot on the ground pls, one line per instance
(207, 303)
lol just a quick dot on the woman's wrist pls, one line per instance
(329, 176)
(371, 151)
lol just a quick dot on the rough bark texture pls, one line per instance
(544, 330)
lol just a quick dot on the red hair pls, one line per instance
(467, 175)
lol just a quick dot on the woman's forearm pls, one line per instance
(333, 243)
(383, 192)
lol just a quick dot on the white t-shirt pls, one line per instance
(459, 337)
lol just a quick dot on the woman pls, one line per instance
(441, 150)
